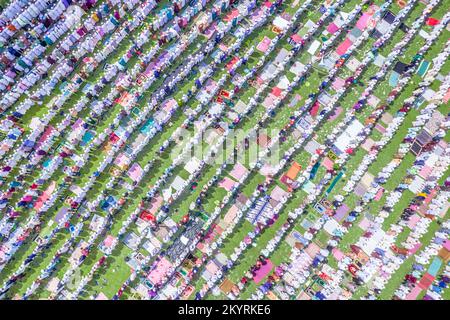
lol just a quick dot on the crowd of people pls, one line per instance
(89, 87)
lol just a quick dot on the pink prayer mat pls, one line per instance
(413, 221)
(363, 21)
(364, 224)
(269, 101)
(263, 272)
(45, 196)
(263, 140)
(268, 4)
(135, 172)
(210, 31)
(336, 114)
(231, 214)
(296, 38)
(338, 83)
(373, 101)
(415, 248)
(360, 190)
(258, 13)
(155, 204)
(121, 159)
(312, 250)
(447, 245)
(210, 85)
(45, 136)
(379, 194)
(259, 81)
(337, 254)
(233, 14)
(343, 47)
(212, 267)
(264, 44)
(430, 196)
(125, 99)
(327, 163)
(276, 91)
(414, 293)
(77, 124)
(223, 47)
(380, 128)
(447, 96)
(227, 183)
(109, 241)
(169, 104)
(230, 64)
(341, 212)
(443, 144)
(367, 145)
(425, 172)
(101, 296)
(278, 193)
(315, 108)
(295, 100)
(332, 28)
(156, 275)
(238, 171)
